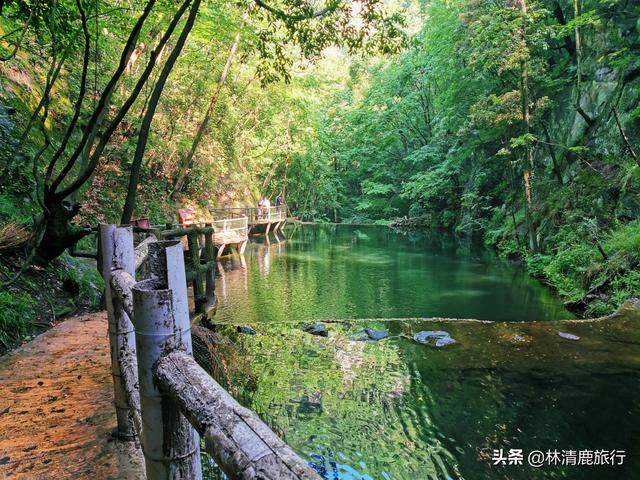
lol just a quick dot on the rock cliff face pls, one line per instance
(584, 114)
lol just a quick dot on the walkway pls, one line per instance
(56, 407)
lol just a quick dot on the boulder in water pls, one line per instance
(319, 329)
(437, 338)
(374, 334)
(568, 336)
(246, 330)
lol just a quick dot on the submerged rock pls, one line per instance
(425, 335)
(569, 336)
(310, 404)
(437, 338)
(316, 329)
(374, 334)
(246, 330)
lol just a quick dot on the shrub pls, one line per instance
(16, 317)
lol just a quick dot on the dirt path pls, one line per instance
(56, 411)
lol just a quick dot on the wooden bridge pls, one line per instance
(259, 220)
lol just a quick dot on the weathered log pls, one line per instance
(142, 250)
(116, 254)
(171, 446)
(121, 284)
(242, 445)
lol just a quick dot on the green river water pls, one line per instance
(396, 409)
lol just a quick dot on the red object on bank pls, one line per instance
(142, 222)
(186, 216)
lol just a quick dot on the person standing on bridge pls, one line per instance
(263, 207)
(279, 201)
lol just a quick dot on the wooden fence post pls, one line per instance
(210, 257)
(161, 316)
(194, 258)
(116, 253)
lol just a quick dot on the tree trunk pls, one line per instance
(527, 176)
(552, 154)
(284, 180)
(577, 11)
(59, 233)
(145, 128)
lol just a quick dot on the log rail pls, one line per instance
(161, 394)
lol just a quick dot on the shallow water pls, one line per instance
(394, 409)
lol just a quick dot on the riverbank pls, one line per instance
(39, 298)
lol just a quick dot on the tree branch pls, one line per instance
(301, 17)
(624, 135)
(80, 99)
(90, 133)
(187, 162)
(111, 128)
(20, 40)
(590, 121)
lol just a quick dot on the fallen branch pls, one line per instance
(624, 135)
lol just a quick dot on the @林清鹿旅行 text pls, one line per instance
(540, 458)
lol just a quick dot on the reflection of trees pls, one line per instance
(325, 402)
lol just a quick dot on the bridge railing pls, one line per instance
(275, 214)
(162, 394)
(231, 230)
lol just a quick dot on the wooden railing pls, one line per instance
(200, 259)
(204, 243)
(231, 231)
(255, 216)
(162, 395)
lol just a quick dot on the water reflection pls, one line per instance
(347, 272)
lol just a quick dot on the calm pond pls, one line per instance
(395, 409)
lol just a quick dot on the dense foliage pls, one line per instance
(516, 121)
